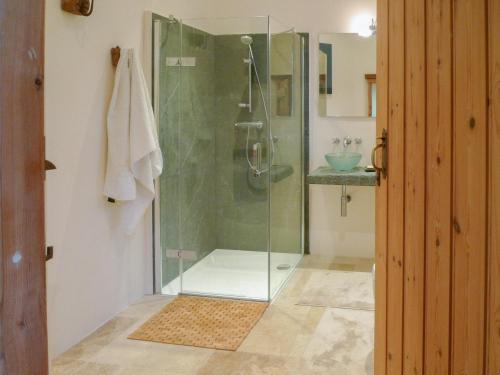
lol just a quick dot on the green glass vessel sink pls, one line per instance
(343, 161)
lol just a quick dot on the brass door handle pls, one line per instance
(381, 170)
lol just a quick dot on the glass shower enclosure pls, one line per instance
(228, 97)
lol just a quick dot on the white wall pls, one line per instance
(331, 234)
(97, 270)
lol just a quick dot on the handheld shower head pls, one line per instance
(246, 39)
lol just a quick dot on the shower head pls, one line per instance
(246, 39)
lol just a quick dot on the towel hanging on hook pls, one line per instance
(134, 156)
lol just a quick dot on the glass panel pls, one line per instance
(166, 93)
(286, 176)
(223, 183)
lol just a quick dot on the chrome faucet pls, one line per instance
(347, 141)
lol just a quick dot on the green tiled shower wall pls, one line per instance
(242, 199)
(208, 197)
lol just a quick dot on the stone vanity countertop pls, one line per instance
(329, 176)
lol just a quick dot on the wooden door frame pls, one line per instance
(23, 317)
(438, 212)
(493, 310)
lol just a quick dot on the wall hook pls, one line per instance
(115, 56)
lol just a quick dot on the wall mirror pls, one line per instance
(347, 75)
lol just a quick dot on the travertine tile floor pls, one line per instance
(289, 339)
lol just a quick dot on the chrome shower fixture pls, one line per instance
(256, 163)
(171, 19)
(246, 40)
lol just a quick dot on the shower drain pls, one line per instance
(283, 267)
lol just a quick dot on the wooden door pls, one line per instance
(438, 211)
(23, 333)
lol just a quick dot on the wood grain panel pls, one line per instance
(23, 334)
(414, 195)
(494, 190)
(469, 187)
(442, 200)
(380, 357)
(396, 173)
(438, 195)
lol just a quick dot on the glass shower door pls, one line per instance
(223, 153)
(167, 107)
(286, 132)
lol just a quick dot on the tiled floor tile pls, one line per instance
(289, 339)
(226, 363)
(343, 342)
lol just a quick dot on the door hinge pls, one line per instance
(181, 254)
(49, 166)
(49, 253)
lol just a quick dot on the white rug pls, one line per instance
(339, 289)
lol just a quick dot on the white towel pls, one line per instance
(134, 155)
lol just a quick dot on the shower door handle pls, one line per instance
(257, 157)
